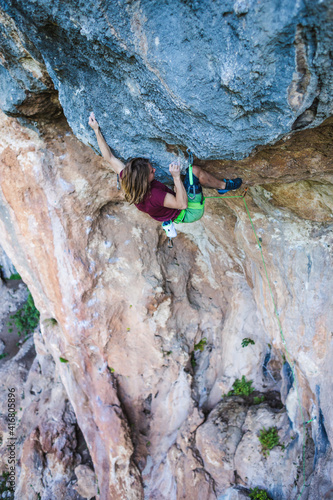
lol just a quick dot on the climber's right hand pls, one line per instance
(174, 169)
(93, 122)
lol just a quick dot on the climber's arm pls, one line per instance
(115, 163)
(180, 200)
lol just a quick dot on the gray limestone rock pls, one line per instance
(320, 482)
(220, 77)
(7, 267)
(228, 443)
(217, 440)
(26, 89)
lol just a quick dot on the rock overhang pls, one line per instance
(218, 77)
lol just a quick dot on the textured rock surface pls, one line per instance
(6, 266)
(48, 426)
(124, 301)
(47, 434)
(11, 298)
(229, 445)
(99, 408)
(234, 73)
(86, 485)
(277, 471)
(124, 311)
(48, 443)
(26, 88)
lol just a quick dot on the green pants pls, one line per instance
(194, 211)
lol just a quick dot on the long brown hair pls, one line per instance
(135, 180)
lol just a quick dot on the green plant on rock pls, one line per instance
(15, 276)
(5, 486)
(247, 341)
(269, 439)
(258, 399)
(200, 345)
(241, 387)
(25, 319)
(258, 494)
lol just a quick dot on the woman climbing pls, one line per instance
(184, 204)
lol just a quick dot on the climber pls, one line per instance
(163, 204)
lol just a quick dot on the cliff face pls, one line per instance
(219, 77)
(124, 301)
(127, 312)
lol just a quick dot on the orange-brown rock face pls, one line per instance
(130, 312)
(60, 277)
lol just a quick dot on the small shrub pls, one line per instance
(258, 494)
(247, 341)
(258, 399)
(269, 439)
(25, 319)
(63, 360)
(193, 363)
(241, 387)
(3, 355)
(5, 487)
(111, 369)
(15, 276)
(200, 345)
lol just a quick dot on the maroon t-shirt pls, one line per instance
(153, 203)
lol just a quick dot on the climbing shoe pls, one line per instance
(231, 185)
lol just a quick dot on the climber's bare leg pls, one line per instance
(207, 180)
